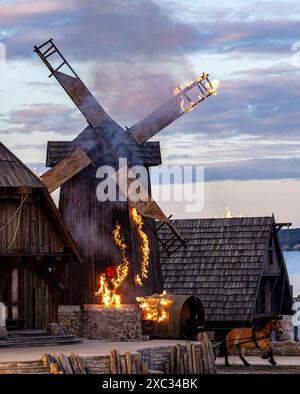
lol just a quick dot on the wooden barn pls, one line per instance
(35, 246)
(235, 266)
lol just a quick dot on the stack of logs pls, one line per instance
(192, 360)
(126, 364)
(63, 364)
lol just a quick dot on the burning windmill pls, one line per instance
(110, 231)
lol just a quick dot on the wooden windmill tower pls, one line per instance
(74, 165)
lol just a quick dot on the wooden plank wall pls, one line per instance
(34, 299)
(91, 223)
(36, 234)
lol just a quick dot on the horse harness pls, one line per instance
(255, 339)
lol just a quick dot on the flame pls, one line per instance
(184, 85)
(228, 214)
(138, 280)
(187, 109)
(145, 251)
(109, 296)
(123, 268)
(155, 307)
(211, 88)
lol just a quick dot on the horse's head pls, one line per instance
(276, 326)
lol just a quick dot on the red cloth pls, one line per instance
(111, 272)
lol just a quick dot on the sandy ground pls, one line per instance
(285, 365)
(86, 348)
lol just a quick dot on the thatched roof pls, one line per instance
(222, 264)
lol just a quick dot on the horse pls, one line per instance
(251, 338)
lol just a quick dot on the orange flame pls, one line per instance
(145, 251)
(109, 297)
(156, 307)
(211, 88)
(123, 268)
(138, 280)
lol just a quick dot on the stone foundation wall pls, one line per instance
(97, 322)
(70, 318)
(286, 348)
(156, 358)
(288, 331)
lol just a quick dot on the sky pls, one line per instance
(131, 54)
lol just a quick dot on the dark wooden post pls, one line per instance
(56, 275)
(5, 273)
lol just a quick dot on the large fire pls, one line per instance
(205, 86)
(144, 245)
(108, 293)
(156, 307)
(108, 287)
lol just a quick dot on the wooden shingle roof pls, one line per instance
(14, 173)
(58, 150)
(222, 264)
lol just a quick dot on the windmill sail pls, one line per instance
(146, 206)
(65, 169)
(82, 97)
(173, 109)
(72, 84)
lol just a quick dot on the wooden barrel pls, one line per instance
(186, 318)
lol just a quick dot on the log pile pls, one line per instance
(127, 363)
(63, 364)
(192, 360)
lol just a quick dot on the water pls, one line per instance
(292, 260)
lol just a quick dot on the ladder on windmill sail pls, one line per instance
(174, 243)
(71, 83)
(148, 208)
(48, 49)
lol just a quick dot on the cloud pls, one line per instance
(94, 30)
(263, 105)
(134, 53)
(131, 90)
(125, 29)
(261, 169)
(242, 170)
(45, 117)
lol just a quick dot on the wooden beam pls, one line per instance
(169, 111)
(278, 226)
(66, 169)
(82, 98)
(146, 206)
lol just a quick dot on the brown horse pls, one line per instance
(250, 338)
